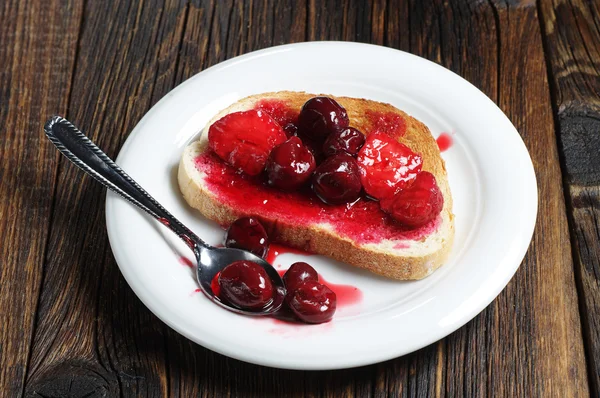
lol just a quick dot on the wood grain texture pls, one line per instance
(585, 228)
(572, 38)
(37, 44)
(572, 31)
(93, 337)
(542, 299)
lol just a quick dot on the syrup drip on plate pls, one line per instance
(346, 295)
(444, 142)
(276, 250)
(186, 261)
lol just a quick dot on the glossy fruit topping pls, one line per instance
(348, 140)
(363, 222)
(321, 116)
(386, 165)
(278, 110)
(290, 165)
(337, 180)
(313, 302)
(417, 204)
(246, 285)
(245, 139)
(247, 233)
(297, 274)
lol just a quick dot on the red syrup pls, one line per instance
(386, 122)
(346, 295)
(186, 261)
(278, 110)
(276, 250)
(444, 141)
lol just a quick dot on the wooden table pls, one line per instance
(71, 326)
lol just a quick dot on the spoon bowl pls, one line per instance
(211, 260)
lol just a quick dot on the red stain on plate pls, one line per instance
(444, 141)
(276, 250)
(346, 294)
(186, 261)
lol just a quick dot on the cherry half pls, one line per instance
(313, 302)
(297, 274)
(246, 285)
(337, 180)
(348, 140)
(290, 165)
(321, 116)
(247, 233)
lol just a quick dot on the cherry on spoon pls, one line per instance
(211, 260)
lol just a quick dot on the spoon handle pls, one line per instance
(80, 150)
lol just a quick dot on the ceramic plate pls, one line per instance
(491, 178)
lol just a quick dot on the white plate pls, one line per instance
(491, 178)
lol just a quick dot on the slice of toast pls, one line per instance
(360, 234)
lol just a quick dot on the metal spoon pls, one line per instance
(211, 260)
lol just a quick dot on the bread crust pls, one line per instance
(396, 264)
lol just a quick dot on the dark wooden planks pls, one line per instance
(94, 337)
(572, 35)
(542, 299)
(37, 48)
(572, 38)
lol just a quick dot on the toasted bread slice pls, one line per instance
(380, 246)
